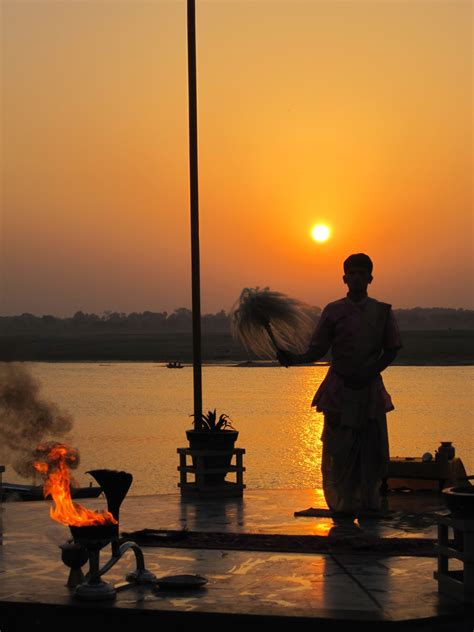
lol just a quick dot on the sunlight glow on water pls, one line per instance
(133, 416)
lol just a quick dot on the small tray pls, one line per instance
(180, 582)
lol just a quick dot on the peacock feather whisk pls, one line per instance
(262, 320)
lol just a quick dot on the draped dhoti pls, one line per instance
(355, 454)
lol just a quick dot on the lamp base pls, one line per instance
(95, 592)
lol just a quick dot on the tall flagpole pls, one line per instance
(194, 196)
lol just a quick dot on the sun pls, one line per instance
(320, 232)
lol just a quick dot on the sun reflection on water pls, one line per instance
(133, 416)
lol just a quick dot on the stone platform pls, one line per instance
(365, 590)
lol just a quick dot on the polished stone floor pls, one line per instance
(272, 512)
(263, 585)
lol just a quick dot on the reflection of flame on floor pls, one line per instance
(54, 462)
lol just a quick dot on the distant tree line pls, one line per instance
(180, 320)
(434, 318)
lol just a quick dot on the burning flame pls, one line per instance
(54, 464)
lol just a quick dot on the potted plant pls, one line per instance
(213, 432)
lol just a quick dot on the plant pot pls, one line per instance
(223, 440)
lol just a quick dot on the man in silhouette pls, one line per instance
(364, 339)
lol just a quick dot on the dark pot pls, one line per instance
(445, 452)
(460, 500)
(102, 534)
(222, 440)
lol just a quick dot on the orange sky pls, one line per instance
(357, 114)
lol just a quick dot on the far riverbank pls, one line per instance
(443, 348)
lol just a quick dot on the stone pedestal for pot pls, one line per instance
(211, 456)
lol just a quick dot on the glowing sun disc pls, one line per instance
(320, 232)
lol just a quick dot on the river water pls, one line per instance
(133, 416)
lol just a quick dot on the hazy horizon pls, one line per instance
(203, 313)
(352, 113)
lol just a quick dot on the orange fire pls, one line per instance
(53, 464)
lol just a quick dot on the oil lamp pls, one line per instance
(91, 530)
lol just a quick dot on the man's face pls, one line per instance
(357, 278)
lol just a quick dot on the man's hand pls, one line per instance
(355, 382)
(361, 379)
(365, 375)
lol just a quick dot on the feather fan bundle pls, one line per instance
(262, 320)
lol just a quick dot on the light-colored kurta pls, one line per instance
(355, 438)
(340, 327)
